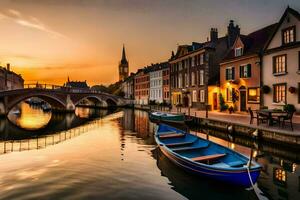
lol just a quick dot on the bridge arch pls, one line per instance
(97, 100)
(55, 102)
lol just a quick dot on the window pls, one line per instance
(186, 79)
(299, 93)
(179, 66)
(229, 94)
(201, 59)
(194, 96)
(299, 60)
(254, 95)
(180, 81)
(238, 51)
(193, 78)
(279, 94)
(230, 73)
(201, 77)
(245, 71)
(202, 96)
(193, 61)
(289, 35)
(279, 64)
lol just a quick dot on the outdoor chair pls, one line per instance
(288, 118)
(258, 117)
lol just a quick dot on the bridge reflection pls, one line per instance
(58, 122)
(43, 141)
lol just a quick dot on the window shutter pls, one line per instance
(241, 74)
(249, 70)
(226, 74)
(274, 64)
(233, 73)
(299, 60)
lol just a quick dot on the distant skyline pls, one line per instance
(49, 40)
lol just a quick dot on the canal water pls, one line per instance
(100, 154)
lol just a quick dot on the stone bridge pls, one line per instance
(60, 98)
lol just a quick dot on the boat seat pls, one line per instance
(236, 163)
(221, 165)
(208, 157)
(171, 135)
(179, 144)
(189, 148)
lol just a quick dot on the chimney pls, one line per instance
(213, 34)
(232, 32)
(8, 67)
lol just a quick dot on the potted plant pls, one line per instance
(292, 90)
(266, 89)
(223, 106)
(289, 108)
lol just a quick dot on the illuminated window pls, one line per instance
(279, 64)
(194, 96)
(279, 93)
(229, 92)
(254, 95)
(288, 35)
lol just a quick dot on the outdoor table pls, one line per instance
(270, 113)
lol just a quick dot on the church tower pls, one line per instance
(123, 67)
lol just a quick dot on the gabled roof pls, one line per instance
(287, 10)
(253, 42)
(77, 84)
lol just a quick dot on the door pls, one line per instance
(243, 101)
(215, 101)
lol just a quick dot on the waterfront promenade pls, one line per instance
(243, 119)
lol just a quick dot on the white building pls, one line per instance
(281, 63)
(156, 83)
(128, 87)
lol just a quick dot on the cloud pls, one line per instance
(29, 22)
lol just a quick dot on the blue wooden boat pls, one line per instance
(168, 117)
(206, 158)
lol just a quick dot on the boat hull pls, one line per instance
(179, 119)
(240, 178)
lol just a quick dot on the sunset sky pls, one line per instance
(49, 40)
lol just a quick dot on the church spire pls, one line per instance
(124, 60)
(123, 66)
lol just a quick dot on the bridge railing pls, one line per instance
(42, 86)
(63, 88)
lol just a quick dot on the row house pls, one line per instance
(142, 86)
(240, 77)
(159, 82)
(128, 87)
(9, 80)
(166, 83)
(281, 63)
(194, 69)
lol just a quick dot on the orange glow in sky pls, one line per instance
(49, 40)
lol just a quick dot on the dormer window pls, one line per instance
(238, 51)
(289, 35)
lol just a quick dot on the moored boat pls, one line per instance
(168, 117)
(206, 158)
